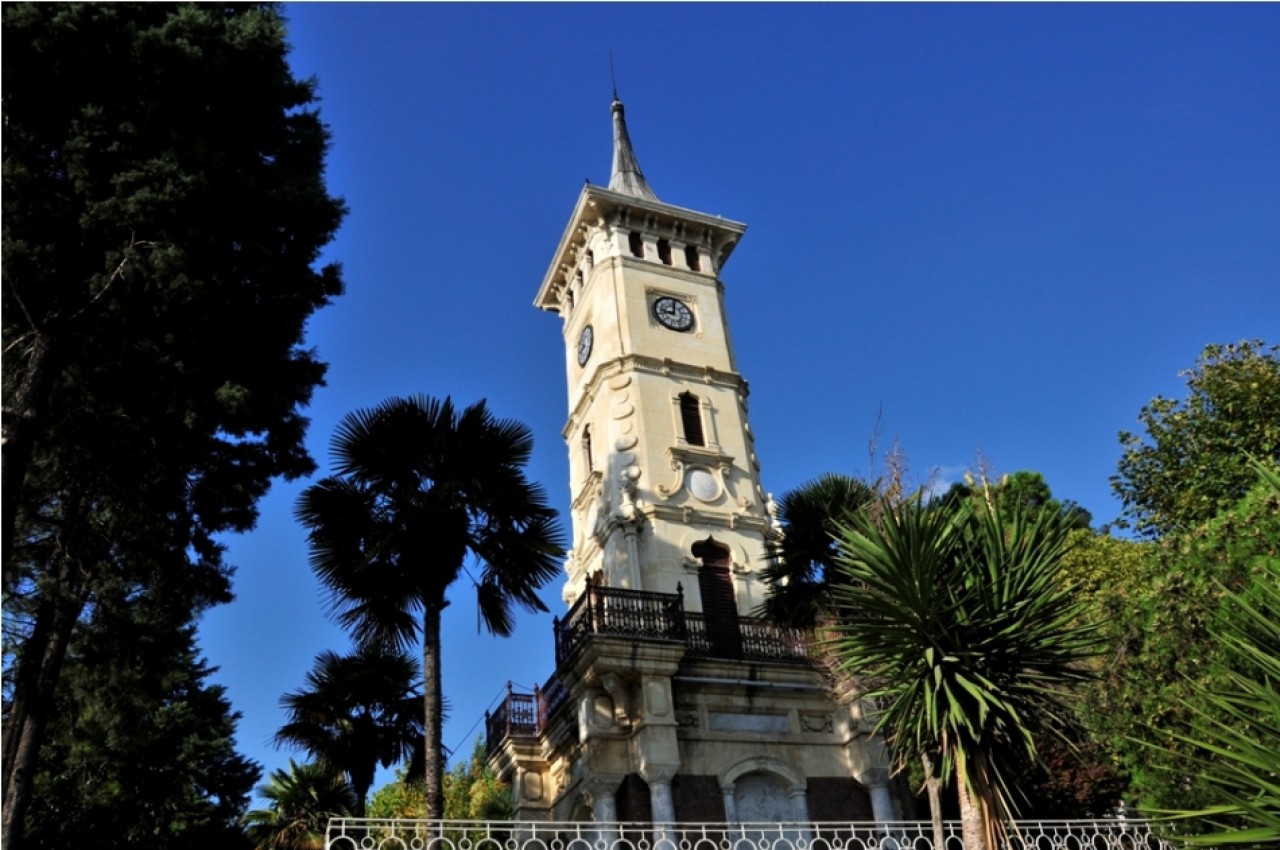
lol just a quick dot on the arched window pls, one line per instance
(719, 607)
(586, 450)
(636, 243)
(691, 419)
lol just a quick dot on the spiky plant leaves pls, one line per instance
(956, 616)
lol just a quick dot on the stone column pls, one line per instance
(877, 781)
(602, 789)
(800, 811)
(730, 804)
(630, 533)
(664, 813)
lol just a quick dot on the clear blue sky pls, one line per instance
(998, 228)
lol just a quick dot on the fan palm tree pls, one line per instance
(302, 799)
(802, 569)
(421, 492)
(957, 616)
(356, 712)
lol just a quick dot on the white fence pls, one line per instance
(372, 834)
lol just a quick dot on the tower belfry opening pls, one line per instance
(670, 700)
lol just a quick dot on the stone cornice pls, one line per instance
(600, 207)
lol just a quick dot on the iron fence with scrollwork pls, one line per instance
(375, 834)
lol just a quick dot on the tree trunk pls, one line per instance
(973, 824)
(21, 424)
(39, 667)
(933, 787)
(433, 713)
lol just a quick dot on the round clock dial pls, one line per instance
(673, 313)
(585, 341)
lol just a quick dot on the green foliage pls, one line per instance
(300, 803)
(356, 712)
(1192, 462)
(1168, 654)
(1109, 571)
(421, 487)
(957, 616)
(1024, 489)
(404, 798)
(1235, 736)
(162, 214)
(800, 572)
(471, 792)
(474, 792)
(141, 750)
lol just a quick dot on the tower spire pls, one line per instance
(626, 177)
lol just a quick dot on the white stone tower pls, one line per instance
(661, 454)
(670, 701)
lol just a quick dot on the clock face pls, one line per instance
(585, 339)
(673, 313)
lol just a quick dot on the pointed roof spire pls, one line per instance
(626, 177)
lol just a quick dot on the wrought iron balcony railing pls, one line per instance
(636, 614)
(524, 715)
(372, 834)
(642, 615)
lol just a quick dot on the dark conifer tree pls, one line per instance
(164, 206)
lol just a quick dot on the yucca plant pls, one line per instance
(957, 615)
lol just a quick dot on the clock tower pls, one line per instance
(664, 479)
(670, 701)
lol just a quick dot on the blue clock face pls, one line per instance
(585, 341)
(673, 313)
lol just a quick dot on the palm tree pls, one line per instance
(420, 490)
(802, 569)
(356, 712)
(957, 615)
(301, 802)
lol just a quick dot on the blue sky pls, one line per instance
(990, 228)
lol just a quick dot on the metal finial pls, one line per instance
(613, 77)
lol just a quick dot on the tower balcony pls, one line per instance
(642, 616)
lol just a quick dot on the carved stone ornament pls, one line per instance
(816, 722)
(532, 786)
(687, 719)
(684, 460)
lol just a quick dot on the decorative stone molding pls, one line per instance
(817, 722)
(617, 690)
(762, 764)
(683, 458)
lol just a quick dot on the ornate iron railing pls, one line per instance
(373, 834)
(621, 613)
(757, 640)
(524, 715)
